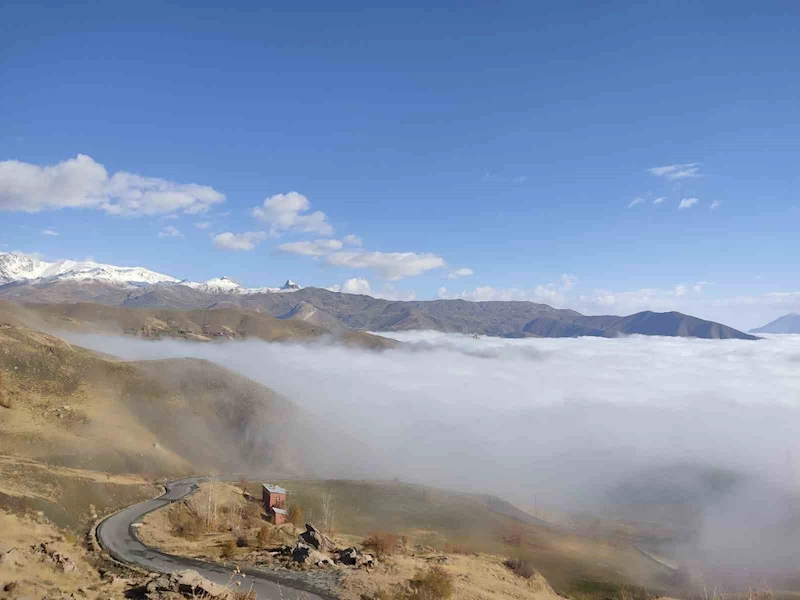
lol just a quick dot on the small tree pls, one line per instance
(228, 550)
(328, 512)
(295, 514)
(266, 536)
(380, 544)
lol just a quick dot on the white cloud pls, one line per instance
(553, 293)
(636, 201)
(81, 182)
(238, 241)
(675, 172)
(203, 224)
(463, 272)
(50, 232)
(484, 293)
(715, 204)
(359, 285)
(283, 213)
(389, 265)
(313, 248)
(352, 240)
(170, 231)
(688, 202)
(659, 200)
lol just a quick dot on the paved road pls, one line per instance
(116, 535)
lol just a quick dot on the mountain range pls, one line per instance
(28, 280)
(786, 324)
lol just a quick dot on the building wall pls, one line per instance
(280, 519)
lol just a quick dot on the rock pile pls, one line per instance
(314, 548)
(188, 583)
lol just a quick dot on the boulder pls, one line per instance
(349, 556)
(316, 539)
(305, 554)
(12, 558)
(187, 582)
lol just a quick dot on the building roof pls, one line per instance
(275, 489)
(280, 511)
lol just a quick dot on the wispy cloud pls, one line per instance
(458, 273)
(203, 224)
(313, 248)
(170, 231)
(635, 202)
(389, 265)
(50, 232)
(238, 241)
(715, 204)
(352, 240)
(660, 200)
(676, 172)
(688, 203)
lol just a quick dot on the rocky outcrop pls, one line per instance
(316, 539)
(188, 583)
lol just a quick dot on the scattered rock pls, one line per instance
(187, 582)
(12, 558)
(10, 587)
(316, 539)
(304, 554)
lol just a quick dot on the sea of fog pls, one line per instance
(570, 422)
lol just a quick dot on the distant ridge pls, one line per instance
(786, 324)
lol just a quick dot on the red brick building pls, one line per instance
(274, 497)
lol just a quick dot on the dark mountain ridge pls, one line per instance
(337, 311)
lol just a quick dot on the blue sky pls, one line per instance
(507, 138)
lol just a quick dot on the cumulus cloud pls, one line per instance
(50, 232)
(635, 202)
(463, 272)
(675, 172)
(389, 265)
(238, 241)
(659, 200)
(287, 212)
(688, 202)
(170, 231)
(81, 182)
(554, 293)
(352, 240)
(313, 248)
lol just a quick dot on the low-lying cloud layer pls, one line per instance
(568, 421)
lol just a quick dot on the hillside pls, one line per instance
(65, 406)
(786, 324)
(198, 325)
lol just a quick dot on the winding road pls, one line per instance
(117, 536)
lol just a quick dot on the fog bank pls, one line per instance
(570, 422)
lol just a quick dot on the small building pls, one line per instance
(274, 498)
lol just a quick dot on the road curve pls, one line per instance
(117, 536)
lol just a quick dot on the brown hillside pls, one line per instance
(200, 324)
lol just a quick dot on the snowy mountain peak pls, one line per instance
(16, 267)
(20, 267)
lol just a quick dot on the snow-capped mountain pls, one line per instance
(19, 267)
(226, 285)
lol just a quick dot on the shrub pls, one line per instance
(434, 584)
(521, 567)
(380, 544)
(183, 522)
(295, 514)
(266, 536)
(242, 541)
(228, 550)
(251, 514)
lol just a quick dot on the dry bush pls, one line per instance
(521, 567)
(245, 595)
(380, 544)
(295, 515)
(251, 515)
(433, 584)
(457, 549)
(267, 536)
(183, 522)
(228, 550)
